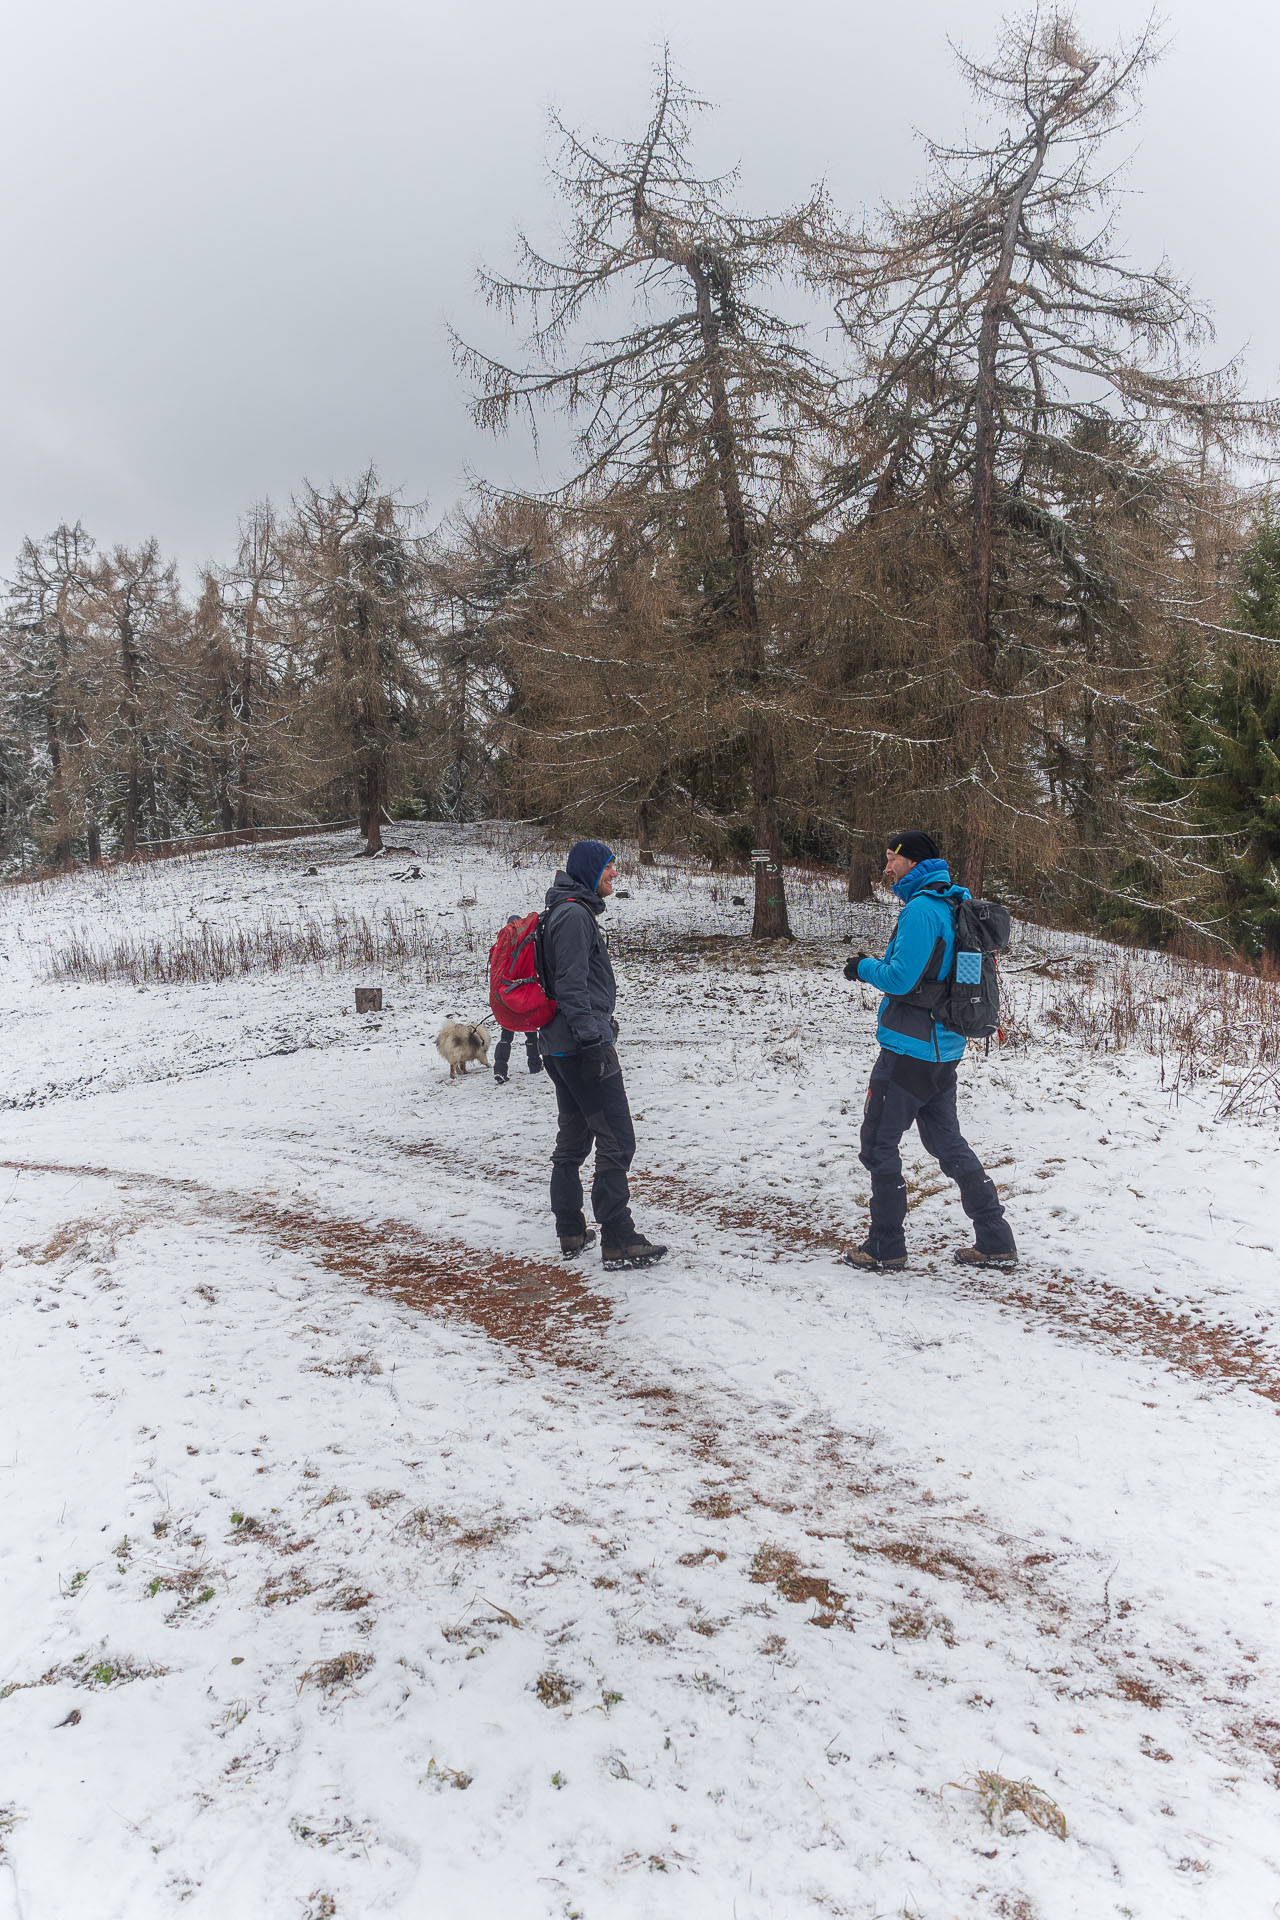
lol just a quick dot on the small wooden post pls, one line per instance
(368, 999)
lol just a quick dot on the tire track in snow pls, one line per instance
(816, 1490)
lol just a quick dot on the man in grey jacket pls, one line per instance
(579, 1054)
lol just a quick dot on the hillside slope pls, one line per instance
(362, 1556)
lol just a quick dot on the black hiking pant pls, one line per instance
(592, 1104)
(905, 1092)
(502, 1052)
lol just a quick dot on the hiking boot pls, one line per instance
(635, 1251)
(975, 1257)
(499, 1079)
(868, 1262)
(571, 1244)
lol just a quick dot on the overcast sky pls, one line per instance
(233, 230)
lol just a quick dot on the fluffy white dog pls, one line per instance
(460, 1044)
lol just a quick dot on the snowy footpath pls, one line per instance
(361, 1556)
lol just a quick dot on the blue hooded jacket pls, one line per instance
(924, 935)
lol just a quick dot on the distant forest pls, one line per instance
(980, 544)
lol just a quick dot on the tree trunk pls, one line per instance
(160, 824)
(646, 851)
(864, 870)
(973, 856)
(984, 485)
(455, 798)
(984, 400)
(373, 794)
(982, 528)
(62, 853)
(132, 805)
(243, 817)
(132, 760)
(769, 921)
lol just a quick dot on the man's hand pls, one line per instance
(852, 963)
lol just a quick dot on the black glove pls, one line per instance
(852, 963)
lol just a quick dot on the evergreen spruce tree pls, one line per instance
(1240, 788)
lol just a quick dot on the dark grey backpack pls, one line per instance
(969, 1002)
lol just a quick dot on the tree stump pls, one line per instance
(368, 999)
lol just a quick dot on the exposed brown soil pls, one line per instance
(779, 1568)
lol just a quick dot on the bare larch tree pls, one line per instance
(1010, 339)
(707, 392)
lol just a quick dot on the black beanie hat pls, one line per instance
(913, 846)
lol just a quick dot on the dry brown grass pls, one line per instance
(715, 1506)
(356, 1366)
(779, 1568)
(554, 1689)
(343, 1670)
(918, 1623)
(95, 1670)
(438, 1776)
(184, 956)
(1200, 1020)
(1002, 1800)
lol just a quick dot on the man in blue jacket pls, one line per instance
(578, 1052)
(913, 1081)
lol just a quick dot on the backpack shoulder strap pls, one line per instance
(540, 938)
(544, 918)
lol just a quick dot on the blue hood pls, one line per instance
(587, 861)
(928, 873)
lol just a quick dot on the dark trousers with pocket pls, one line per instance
(592, 1104)
(905, 1092)
(502, 1052)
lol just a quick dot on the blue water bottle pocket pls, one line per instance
(968, 969)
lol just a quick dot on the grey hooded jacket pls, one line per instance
(581, 977)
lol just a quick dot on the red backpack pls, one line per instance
(519, 1001)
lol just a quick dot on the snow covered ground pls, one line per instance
(360, 1556)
